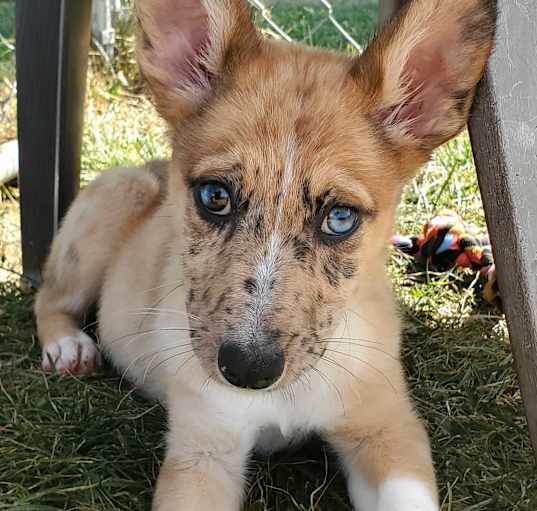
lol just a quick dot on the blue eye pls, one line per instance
(215, 198)
(340, 221)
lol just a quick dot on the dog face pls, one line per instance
(293, 161)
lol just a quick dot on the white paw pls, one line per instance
(405, 494)
(72, 355)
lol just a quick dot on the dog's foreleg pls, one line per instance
(206, 458)
(390, 469)
(98, 222)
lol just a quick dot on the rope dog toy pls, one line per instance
(446, 242)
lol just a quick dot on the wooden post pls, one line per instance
(52, 52)
(101, 25)
(503, 128)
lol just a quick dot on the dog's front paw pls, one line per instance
(75, 355)
(406, 494)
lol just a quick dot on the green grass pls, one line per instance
(58, 450)
(90, 444)
(7, 70)
(306, 21)
(7, 36)
(7, 18)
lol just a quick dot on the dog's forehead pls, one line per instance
(293, 117)
(294, 122)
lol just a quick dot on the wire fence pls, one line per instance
(108, 16)
(330, 17)
(106, 11)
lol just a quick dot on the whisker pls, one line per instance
(161, 309)
(176, 283)
(340, 366)
(149, 369)
(305, 380)
(359, 316)
(146, 311)
(374, 348)
(161, 299)
(346, 316)
(358, 339)
(184, 363)
(171, 347)
(290, 392)
(372, 367)
(126, 370)
(151, 331)
(169, 293)
(330, 383)
(206, 383)
(160, 313)
(139, 335)
(146, 354)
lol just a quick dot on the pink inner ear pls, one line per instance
(178, 38)
(426, 83)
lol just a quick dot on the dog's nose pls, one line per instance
(249, 366)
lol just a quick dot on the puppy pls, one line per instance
(243, 283)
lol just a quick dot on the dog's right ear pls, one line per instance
(421, 70)
(186, 47)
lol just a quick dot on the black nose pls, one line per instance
(249, 366)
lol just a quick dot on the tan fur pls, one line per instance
(290, 126)
(99, 222)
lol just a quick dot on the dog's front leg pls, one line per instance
(203, 482)
(389, 468)
(204, 468)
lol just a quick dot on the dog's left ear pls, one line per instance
(420, 72)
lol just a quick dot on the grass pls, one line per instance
(7, 31)
(7, 70)
(90, 444)
(306, 20)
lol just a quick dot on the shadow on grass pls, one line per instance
(76, 444)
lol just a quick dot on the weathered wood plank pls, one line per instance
(52, 51)
(504, 137)
(503, 129)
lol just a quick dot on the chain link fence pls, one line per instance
(337, 15)
(342, 24)
(329, 17)
(278, 18)
(107, 12)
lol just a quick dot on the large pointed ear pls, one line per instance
(187, 47)
(420, 72)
